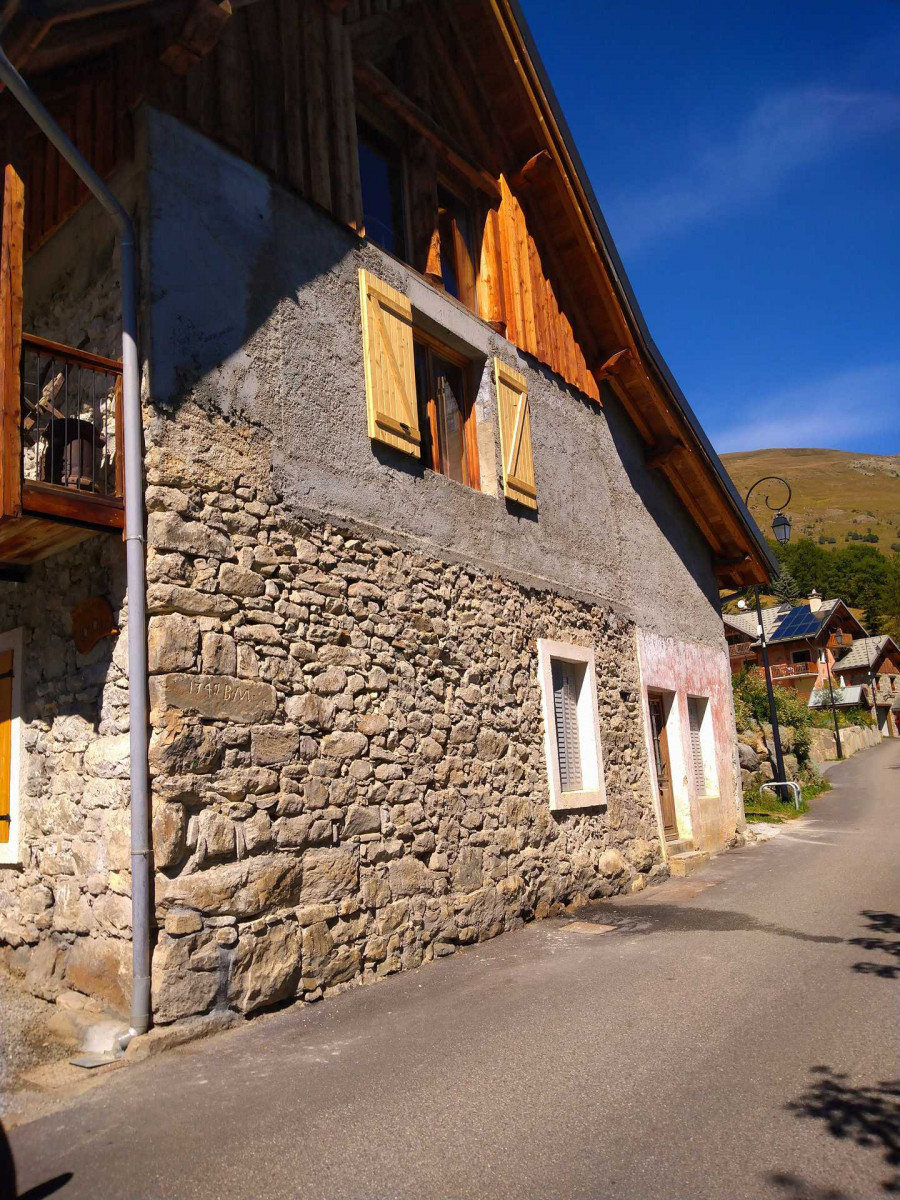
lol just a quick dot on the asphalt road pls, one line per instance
(734, 1035)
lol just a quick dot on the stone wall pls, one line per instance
(348, 751)
(69, 894)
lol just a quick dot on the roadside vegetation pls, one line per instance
(796, 721)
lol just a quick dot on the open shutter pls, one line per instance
(695, 718)
(390, 372)
(565, 710)
(6, 691)
(515, 435)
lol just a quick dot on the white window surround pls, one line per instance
(10, 852)
(707, 747)
(594, 791)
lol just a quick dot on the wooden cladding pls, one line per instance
(534, 320)
(391, 402)
(514, 415)
(11, 298)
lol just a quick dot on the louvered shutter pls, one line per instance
(6, 691)
(695, 718)
(565, 709)
(515, 435)
(390, 372)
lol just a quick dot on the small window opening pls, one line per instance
(455, 226)
(696, 713)
(568, 678)
(381, 178)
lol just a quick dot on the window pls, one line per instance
(571, 725)
(381, 179)
(446, 412)
(801, 656)
(455, 225)
(10, 709)
(702, 756)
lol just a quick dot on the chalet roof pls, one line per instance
(800, 623)
(864, 652)
(746, 622)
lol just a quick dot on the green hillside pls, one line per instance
(835, 492)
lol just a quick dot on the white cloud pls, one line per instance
(843, 411)
(787, 131)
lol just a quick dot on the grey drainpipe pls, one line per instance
(134, 551)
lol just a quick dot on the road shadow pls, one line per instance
(678, 918)
(868, 1116)
(880, 922)
(792, 1187)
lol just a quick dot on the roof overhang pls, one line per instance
(640, 377)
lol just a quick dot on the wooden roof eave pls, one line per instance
(660, 404)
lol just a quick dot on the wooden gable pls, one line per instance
(280, 82)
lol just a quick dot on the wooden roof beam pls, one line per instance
(663, 452)
(202, 29)
(379, 86)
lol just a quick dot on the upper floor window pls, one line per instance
(457, 267)
(447, 412)
(381, 178)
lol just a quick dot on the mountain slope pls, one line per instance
(836, 492)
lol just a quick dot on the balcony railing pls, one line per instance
(741, 650)
(71, 421)
(792, 670)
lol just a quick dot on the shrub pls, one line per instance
(751, 699)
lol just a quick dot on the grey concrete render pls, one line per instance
(731, 1036)
(253, 312)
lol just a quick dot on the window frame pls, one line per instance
(593, 793)
(464, 197)
(10, 851)
(707, 745)
(431, 450)
(395, 138)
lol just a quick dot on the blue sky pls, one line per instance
(747, 160)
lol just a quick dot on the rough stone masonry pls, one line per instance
(347, 755)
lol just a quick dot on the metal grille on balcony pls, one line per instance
(70, 417)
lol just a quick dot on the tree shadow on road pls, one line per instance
(677, 918)
(880, 922)
(795, 1188)
(868, 1116)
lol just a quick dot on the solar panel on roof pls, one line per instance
(798, 623)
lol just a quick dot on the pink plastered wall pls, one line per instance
(679, 670)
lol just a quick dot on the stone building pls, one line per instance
(433, 540)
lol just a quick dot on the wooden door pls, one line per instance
(663, 766)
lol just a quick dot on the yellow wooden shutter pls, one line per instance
(515, 435)
(390, 369)
(6, 690)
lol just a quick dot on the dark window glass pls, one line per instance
(446, 416)
(381, 177)
(455, 227)
(801, 656)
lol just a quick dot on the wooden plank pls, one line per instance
(515, 320)
(489, 286)
(265, 54)
(317, 106)
(199, 34)
(29, 539)
(346, 187)
(293, 92)
(235, 88)
(51, 500)
(541, 322)
(11, 297)
(84, 358)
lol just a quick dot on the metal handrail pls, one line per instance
(795, 788)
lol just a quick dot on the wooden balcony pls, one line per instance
(838, 640)
(741, 651)
(61, 477)
(793, 670)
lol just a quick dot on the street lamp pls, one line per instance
(781, 527)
